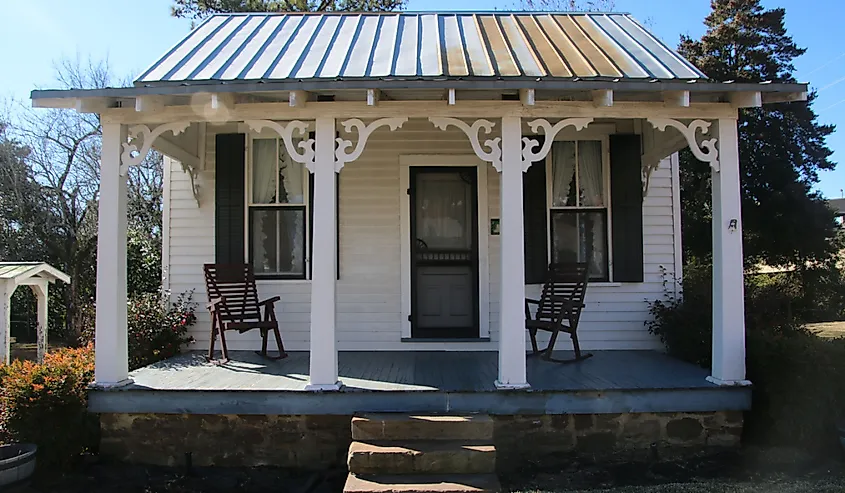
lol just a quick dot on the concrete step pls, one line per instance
(422, 457)
(459, 483)
(405, 427)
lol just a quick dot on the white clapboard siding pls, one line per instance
(368, 292)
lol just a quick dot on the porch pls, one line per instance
(420, 382)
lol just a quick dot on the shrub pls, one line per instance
(799, 378)
(46, 404)
(158, 329)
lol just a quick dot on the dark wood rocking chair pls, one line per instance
(559, 308)
(234, 305)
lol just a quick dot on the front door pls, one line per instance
(444, 252)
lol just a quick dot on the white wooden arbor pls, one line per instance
(38, 277)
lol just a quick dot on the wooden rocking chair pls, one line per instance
(234, 305)
(559, 308)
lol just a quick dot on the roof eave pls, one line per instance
(771, 92)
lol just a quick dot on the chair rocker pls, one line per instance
(234, 305)
(559, 309)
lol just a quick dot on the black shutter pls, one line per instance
(311, 219)
(535, 210)
(229, 198)
(626, 207)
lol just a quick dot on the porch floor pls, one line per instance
(610, 381)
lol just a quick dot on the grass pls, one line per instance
(716, 486)
(828, 330)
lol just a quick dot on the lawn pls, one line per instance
(829, 330)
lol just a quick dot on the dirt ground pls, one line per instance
(746, 471)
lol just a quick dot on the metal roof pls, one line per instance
(21, 271)
(428, 46)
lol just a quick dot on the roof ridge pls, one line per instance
(428, 12)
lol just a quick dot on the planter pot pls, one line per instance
(17, 463)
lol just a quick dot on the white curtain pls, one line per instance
(590, 173)
(563, 172)
(290, 178)
(263, 171)
(443, 211)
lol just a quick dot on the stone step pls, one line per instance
(459, 483)
(422, 457)
(408, 427)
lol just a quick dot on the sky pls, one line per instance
(132, 34)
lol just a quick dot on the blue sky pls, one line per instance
(132, 34)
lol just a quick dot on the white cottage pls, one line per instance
(402, 181)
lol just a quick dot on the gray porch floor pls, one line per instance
(610, 381)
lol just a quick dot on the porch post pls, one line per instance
(728, 290)
(40, 290)
(323, 372)
(512, 373)
(111, 339)
(7, 288)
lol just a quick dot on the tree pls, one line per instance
(782, 146)
(569, 5)
(52, 186)
(199, 9)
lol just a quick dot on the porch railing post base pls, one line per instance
(511, 386)
(729, 383)
(319, 387)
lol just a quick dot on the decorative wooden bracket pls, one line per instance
(493, 156)
(647, 170)
(306, 155)
(364, 131)
(705, 151)
(132, 156)
(549, 131)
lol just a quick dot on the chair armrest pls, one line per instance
(529, 301)
(532, 301)
(270, 301)
(212, 305)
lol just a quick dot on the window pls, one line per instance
(277, 211)
(579, 205)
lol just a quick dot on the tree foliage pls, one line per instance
(49, 188)
(782, 146)
(199, 9)
(569, 5)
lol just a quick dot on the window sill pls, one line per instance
(270, 280)
(445, 339)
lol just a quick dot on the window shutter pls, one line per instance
(626, 206)
(534, 210)
(311, 218)
(229, 198)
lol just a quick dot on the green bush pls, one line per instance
(799, 378)
(46, 404)
(158, 329)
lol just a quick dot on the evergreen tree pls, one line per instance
(198, 9)
(782, 146)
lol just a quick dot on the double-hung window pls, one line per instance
(277, 211)
(578, 205)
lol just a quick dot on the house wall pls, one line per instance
(369, 290)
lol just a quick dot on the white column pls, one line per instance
(728, 291)
(511, 308)
(323, 372)
(111, 341)
(6, 290)
(40, 292)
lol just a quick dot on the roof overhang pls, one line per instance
(21, 273)
(741, 94)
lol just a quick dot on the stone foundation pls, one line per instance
(302, 442)
(551, 440)
(320, 442)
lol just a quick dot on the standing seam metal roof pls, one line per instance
(331, 46)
